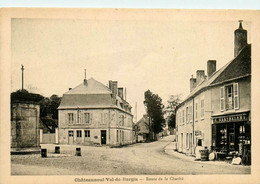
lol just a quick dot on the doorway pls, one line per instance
(103, 136)
(71, 136)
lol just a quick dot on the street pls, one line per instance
(136, 159)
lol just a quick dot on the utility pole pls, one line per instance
(22, 76)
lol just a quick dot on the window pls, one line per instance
(71, 118)
(70, 133)
(190, 112)
(236, 100)
(86, 117)
(79, 133)
(222, 99)
(229, 97)
(123, 135)
(187, 114)
(87, 133)
(196, 111)
(187, 140)
(117, 136)
(202, 108)
(183, 116)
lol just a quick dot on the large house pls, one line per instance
(93, 113)
(216, 113)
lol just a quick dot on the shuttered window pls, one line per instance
(70, 118)
(236, 97)
(202, 109)
(222, 99)
(196, 111)
(86, 117)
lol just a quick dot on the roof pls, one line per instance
(85, 101)
(49, 121)
(92, 87)
(238, 67)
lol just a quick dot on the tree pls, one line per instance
(173, 102)
(154, 108)
(49, 106)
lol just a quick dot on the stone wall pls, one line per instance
(25, 130)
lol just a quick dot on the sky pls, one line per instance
(139, 53)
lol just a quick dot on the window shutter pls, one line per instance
(91, 117)
(236, 96)
(222, 99)
(67, 118)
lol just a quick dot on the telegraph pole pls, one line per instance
(22, 76)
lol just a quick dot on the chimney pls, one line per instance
(85, 82)
(211, 67)
(240, 38)
(192, 83)
(200, 75)
(113, 88)
(121, 92)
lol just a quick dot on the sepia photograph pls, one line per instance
(129, 95)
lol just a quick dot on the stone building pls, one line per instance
(216, 113)
(93, 113)
(142, 129)
(25, 117)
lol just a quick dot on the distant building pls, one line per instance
(142, 129)
(93, 113)
(25, 116)
(217, 112)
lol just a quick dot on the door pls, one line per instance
(71, 136)
(103, 136)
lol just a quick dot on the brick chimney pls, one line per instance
(192, 83)
(113, 88)
(121, 92)
(211, 67)
(240, 39)
(200, 76)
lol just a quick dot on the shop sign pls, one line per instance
(231, 118)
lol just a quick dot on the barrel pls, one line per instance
(78, 152)
(44, 153)
(204, 155)
(57, 149)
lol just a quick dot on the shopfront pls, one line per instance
(231, 133)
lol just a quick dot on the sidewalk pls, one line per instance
(169, 149)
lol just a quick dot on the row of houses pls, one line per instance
(217, 112)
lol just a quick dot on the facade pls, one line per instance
(216, 113)
(93, 113)
(25, 117)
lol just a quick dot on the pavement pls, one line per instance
(171, 147)
(154, 158)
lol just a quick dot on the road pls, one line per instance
(137, 159)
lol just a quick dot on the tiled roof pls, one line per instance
(238, 67)
(92, 95)
(92, 87)
(85, 101)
